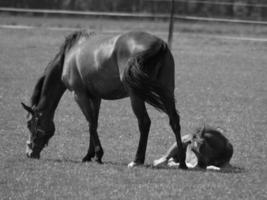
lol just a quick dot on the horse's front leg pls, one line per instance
(144, 123)
(90, 108)
(91, 150)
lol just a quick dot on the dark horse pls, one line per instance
(135, 64)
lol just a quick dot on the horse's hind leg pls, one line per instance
(139, 109)
(175, 125)
(90, 108)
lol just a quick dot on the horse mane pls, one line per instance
(37, 91)
(57, 62)
(72, 38)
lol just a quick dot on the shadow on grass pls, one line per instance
(68, 160)
(62, 160)
(233, 169)
(227, 170)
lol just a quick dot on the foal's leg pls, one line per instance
(144, 122)
(175, 125)
(90, 108)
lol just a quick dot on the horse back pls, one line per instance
(98, 64)
(90, 66)
(132, 44)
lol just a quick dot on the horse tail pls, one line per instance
(139, 76)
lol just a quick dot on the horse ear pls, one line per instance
(29, 109)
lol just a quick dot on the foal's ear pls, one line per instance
(201, 130)
(28, 108)
(221, 130)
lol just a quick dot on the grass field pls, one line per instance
(219, 82)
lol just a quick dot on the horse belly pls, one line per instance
(108, 88)
(113, 93)
(102, 79)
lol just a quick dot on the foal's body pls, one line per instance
(135, 64)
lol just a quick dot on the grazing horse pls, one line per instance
(134, 64)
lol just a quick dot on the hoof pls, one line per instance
(183, 166)
(86, 159)
(99, 161)
(134, 164)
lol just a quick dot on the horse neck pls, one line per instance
(52, 91)
(52, 87)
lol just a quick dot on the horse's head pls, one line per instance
(41, 130)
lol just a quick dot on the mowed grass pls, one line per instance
(218, 82)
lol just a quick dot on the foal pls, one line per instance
(206, 148)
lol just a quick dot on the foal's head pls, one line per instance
(211, 147)
(41, 130)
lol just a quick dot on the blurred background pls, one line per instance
(241, 9)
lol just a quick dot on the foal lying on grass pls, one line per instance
(207, 148)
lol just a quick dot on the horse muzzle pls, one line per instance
(30, 153)
(33, 155)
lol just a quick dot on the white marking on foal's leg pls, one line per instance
(172, 163)
(211, 167)
(160, 162)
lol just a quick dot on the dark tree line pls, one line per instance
(248, 9)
